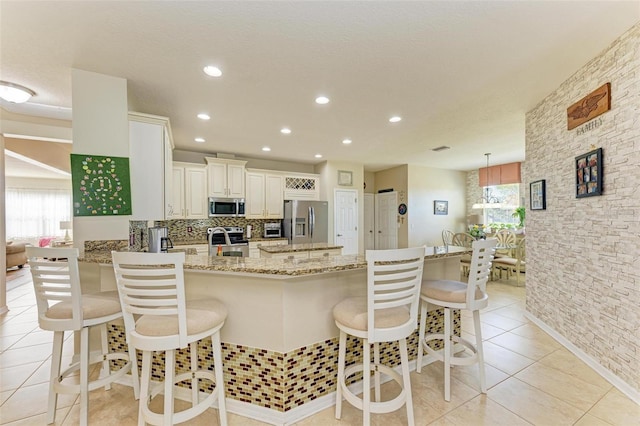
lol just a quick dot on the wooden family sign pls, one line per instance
(591, 106)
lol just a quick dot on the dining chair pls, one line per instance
(158, 318)
(388, 313)
(506, 242)
(451, 295)
(516, 264)
(447, 237)
(62, 307)
(462, 239)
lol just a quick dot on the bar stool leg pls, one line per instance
(447, 354)
(404, 359)
(216, 347)
(342, 349)
(105, 350)
(376, 373)
(421, 334)
(84, 375)
(479, 350)
(145, 383)
(193, 351)
(56, 359)
(366, 382)
(169, 374)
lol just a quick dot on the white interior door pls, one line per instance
(386, 223)
(369, 222)
(346, 220)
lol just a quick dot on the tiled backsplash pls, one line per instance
(179, 229)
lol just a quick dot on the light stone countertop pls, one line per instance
(286, 267)
(291, 248)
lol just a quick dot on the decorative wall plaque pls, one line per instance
(589, 107)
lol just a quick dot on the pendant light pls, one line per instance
(487, 201)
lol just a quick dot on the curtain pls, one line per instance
(34, 213)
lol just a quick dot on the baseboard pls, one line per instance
(616, 381)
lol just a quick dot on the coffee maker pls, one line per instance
(159, 241)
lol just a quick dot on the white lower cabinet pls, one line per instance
(254, 251)
(308, 254)
(322, 253)
(189, 192)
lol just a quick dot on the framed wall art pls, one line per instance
(538, 195)
(345, 178)
(589, 174)
(100, 185)
(440, 207)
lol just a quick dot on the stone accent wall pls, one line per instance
(583, 272)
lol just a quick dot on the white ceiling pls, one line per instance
(461, 74)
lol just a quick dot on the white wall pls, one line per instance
(3, 237)
(583, 254)
(100, 127)
(425, 185)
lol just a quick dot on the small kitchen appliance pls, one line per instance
(272, 230)
(226, 207)
(159, 241)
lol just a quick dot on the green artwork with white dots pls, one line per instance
(100, 185)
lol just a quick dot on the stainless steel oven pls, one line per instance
(226, 207)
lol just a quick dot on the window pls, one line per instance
(509, 195)
(33, 213)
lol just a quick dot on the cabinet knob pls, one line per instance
(339, 235)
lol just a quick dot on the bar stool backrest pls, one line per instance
(393, 281)
(479, 269)
(151, 284)
(55, 282)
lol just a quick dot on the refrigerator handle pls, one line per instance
(312, 222)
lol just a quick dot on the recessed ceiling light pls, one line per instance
(15, 93)
(395, 119)
(199, 140)
(203, 116)
(285, 130)
(346, 141)
(322, 100)
(212, 71)
(266, 149)
(318, 155)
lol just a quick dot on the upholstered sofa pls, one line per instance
(16, 254)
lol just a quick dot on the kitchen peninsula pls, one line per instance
(280, 341)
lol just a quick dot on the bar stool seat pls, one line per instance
(62, 307)
(151, 286)
(387, 314)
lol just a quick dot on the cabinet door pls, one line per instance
(235, 181)
(255, 197)
(195, 192)
(217, 180)
(176, 203)
(147, 173)
(274, 196)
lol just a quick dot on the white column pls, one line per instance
(3, 237)
(100, 127)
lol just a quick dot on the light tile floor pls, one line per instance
(531, 378)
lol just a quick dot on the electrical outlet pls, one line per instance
(189, 229)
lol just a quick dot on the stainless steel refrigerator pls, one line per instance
(306, 222)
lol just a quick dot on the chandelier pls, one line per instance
(488, 200)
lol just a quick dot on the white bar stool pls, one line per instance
(449, 294)
(388, 313)
(151, 286)
(62, 307)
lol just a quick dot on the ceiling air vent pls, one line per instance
(441, 148)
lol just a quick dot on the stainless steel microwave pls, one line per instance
(226, 207)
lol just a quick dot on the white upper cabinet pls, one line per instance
(150, 162)
(299, 186)
(264, 196)
(226, 177)
(189, 194)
